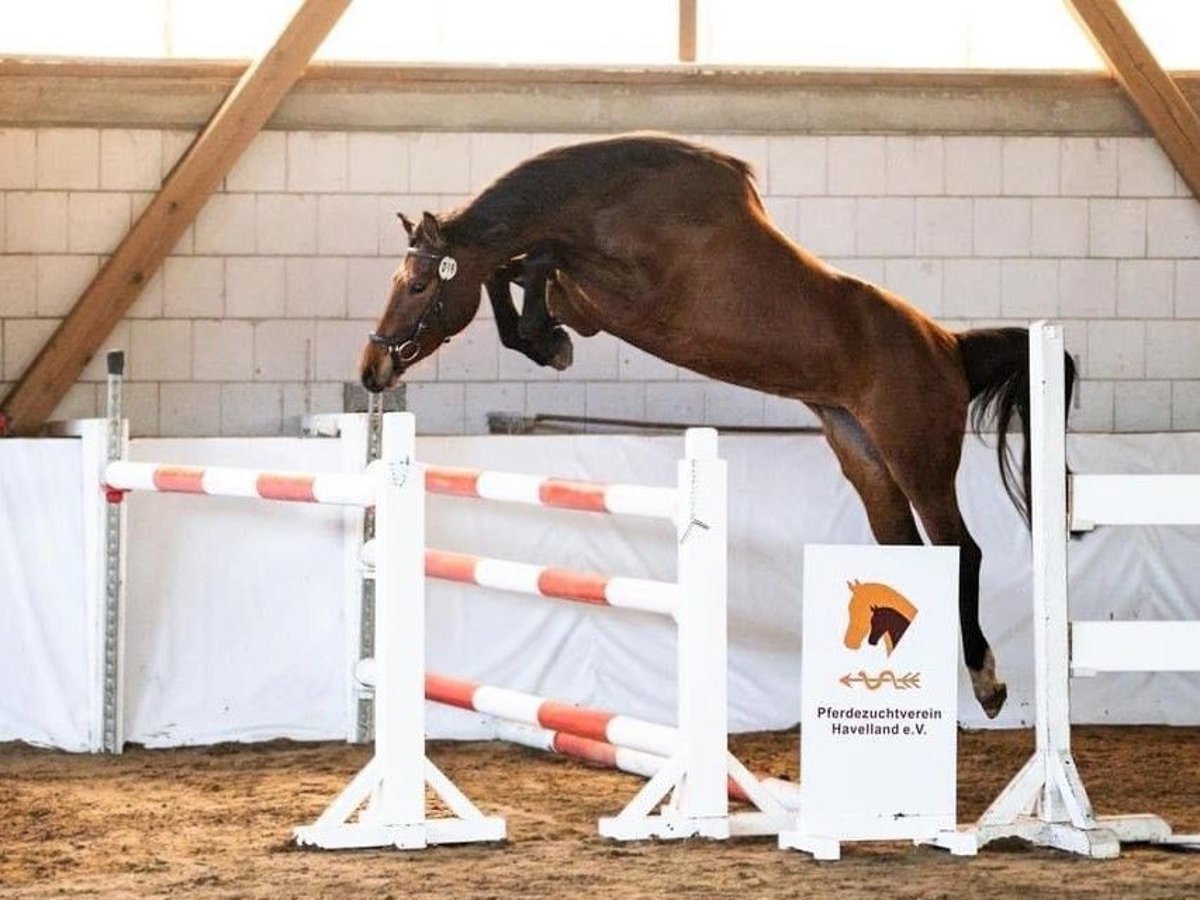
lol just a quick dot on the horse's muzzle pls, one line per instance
(378, 369)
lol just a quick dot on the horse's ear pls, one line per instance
(407, 223)
(431, 228)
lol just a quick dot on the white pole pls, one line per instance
(400, 632)
(702, 532)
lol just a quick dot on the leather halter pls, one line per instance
(405, 349)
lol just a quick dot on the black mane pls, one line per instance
(546, 183)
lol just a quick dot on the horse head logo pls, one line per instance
(877, 611)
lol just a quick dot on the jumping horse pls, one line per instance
(666, 245)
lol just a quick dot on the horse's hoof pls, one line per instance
(994, 702)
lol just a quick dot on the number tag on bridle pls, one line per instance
(447, 268)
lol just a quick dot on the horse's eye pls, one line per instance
(418, 287)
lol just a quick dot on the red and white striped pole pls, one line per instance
(222, 481)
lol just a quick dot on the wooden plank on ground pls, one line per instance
(1151, 89)
(206, 163)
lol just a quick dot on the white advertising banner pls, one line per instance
(879, 693)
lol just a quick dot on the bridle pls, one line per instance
(405, 349)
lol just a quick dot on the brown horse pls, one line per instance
(666, 245)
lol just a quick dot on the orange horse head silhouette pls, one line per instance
(877, 611)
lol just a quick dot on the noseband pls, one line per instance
(407, 348)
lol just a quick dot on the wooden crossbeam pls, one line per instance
(206, 163)
(1154, 93)
(687, 30)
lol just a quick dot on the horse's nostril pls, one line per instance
(368, 381)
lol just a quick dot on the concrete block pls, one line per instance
(944, 226)
(222, 350)
(491, 155)
(438, 407)
(287, 224)
(23, 338)
(728, 404)
(18, 159)
(553, 398)
(61, 280)
(1029, 288)
(681, 402)
(1187, 288)
(96, 369)
(1185, 406)
(471, 355)
(614, 400)
(918, 281)
(596, 358)
(194, 287)
(131, 160)
(347, 224)
(798, 165)
(857, 166)
(36, 222)
(1116, 349)
(1089, 167)
(255, 287)
(160, 350)
(439, 163)
(175, 143)
(1031, 165)
(638, 365)
(189, 410)
(79, 402)
(871, 270)
(18, 286)
(514, 366)
(378, 163)
(974, 166)
(1087, 288)
(1141, 406)
(262, 166)
(316, 161)
(339, 346)
(1173, 349)
(885, 226)
(300, 400)
(1059, 227)
(1172, 228)
(784, 212)
(1002, 226)
(139, 404)
(1145, 288)
(1143, 169)
(1117, 228)
(316, 287)
(227, 225)
(68, 159)
(285, 350)
(369, 283)
(249, 410)
(971, 288)
(784, 412)
(826, 225)
(915, 165)
(1092, 410)
(97, 222)
(491, 397)
(149, 304)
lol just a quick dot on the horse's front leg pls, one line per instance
(545, 349)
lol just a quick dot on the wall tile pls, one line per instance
(915, 165)
(613, 400)
(130, 160)
(638, 365)
(23, 338)
(1172, 228)
(885, 226)
(316, 287)
(726, 404)
(189, 410)
(971, 288)
(471, 355)
(1059, 227)
(287, 224)
(1187, 288)
(68, 159)
(1031, 165)
(783, 412)
(262, 166)
(798, 165)
(1118, 228)
(18, 286)
(378, 163)
(1087, 288)
(1143, 170)
(369, 283)
(596, 358)
(491, 155)
(973, 165)
(61, 280)
(1002, 226)
(97, 222)
(439, 163)
(227, 225)
(918, 281)
(255, 287)
(491, 397)
(1173, 349)
(857, 166)
(1094, 411)
(222, 350)
(18, 159)
(675, 402)
(160, 350)
(339, 345)
(316, 161)
(1029, 288)
(1142, 406)
(1145, 288)
(36, 222)
(1116, 349)
(944, 226)
(78, 403)
(826, 225)
(139, 405)
(194, 286)
(285, 350)
(438, 407)
(347, 225)
(1185, 405)
(96, 369)
(1089, 167)
(551, 398)
(251, 409)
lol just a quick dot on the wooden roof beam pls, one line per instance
(1154, 93)
(186, 189)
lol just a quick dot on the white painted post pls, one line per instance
(702, 530)
(353, 444)
(399, 803)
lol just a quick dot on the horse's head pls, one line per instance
(876, 611)
(434, 295)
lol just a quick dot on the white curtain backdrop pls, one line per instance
(236, 612)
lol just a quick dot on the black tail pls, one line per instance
(996, 362)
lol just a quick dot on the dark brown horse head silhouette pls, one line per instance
(877, 611)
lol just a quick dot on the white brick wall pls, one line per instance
(260, 312)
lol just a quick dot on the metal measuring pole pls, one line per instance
(364, 729)
(113, 513)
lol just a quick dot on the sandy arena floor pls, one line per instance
(216, 822)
